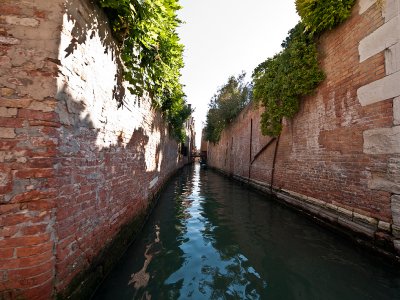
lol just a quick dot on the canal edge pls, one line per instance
(85, 284)
(366, 232)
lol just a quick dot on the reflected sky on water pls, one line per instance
(211, 238)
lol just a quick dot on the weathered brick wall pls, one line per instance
(74, 168)
(339, 156)
(29, 31)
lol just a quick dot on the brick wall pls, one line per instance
(330, 160)
(76, 170)
(28, 146)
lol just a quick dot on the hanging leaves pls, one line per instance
(321, 15)
(151, 52)
(281, 80)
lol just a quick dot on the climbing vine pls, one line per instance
(151, 52)
(280, 81)
(321, 15)
(226, 104)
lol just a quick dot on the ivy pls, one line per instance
(225, 105)
(281, 80)
(151, 52)
(321, 15)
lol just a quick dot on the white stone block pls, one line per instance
(392, 59)
(383, 184)
(382, 141)
(385, 88)
(384, 37)
(396, 111)
(364, 5)
(395, 206)
(391, 9)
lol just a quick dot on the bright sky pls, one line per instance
(224, 38)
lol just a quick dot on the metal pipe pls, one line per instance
(273, 162)
(251, 142)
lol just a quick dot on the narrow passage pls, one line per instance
(210, 238)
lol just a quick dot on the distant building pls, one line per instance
(203, 146)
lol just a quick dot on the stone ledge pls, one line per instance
(357, 227)
(384, 226)
(318, 207)
(340, 219)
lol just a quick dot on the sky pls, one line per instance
(225, 37)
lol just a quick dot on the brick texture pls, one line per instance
(74, 167)
(28, 147)
(320, 152)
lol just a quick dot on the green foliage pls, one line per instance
(226, 104)
(320, 15)
(177, 115)
(151, 52)
(281, 80)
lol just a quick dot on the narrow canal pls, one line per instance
(210, 238)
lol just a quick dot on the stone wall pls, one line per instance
(339, 157)
(78, 172)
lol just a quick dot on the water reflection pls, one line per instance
(141, 278)
(210, 238)
(210, 271)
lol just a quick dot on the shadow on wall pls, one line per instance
(114, 153)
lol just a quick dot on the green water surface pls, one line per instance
(211, 238)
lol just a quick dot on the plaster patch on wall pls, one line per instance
(27, 22)
(349, 114)
(382, 141)
(151, 151)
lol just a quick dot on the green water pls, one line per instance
(210, 238)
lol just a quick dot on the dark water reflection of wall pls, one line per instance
(210, 238)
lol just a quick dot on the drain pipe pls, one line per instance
(251, 142)
(273, 163)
